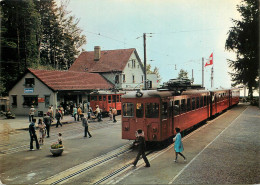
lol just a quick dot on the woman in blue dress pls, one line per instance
(178, 146)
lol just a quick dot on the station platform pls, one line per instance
(223, 151)
(8, 126)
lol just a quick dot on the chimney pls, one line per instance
(97, 53)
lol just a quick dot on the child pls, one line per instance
(60, 138)
(110, 114)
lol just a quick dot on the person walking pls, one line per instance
(58, 117)
(98, 113)
(85, 125)
(79, 113)
(47, 121)
(114, 112)
(178, 146)
(31, 113)
(42, 131)
(33, 136)
(74, 112)
(141, 148)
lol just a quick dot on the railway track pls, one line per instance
(74, 172)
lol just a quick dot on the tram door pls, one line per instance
(165, 119)
(139, 117)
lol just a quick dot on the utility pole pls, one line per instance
(202, 72)
(212, 74)
(192, 79)
(145, 83)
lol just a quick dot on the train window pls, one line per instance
(139, 110)
(128, 109)
(117, 98)
(205, 100)
(188, 105)
(100, 98)
(109, 99)
(198, 102)
(201, 101)
(193, 106)
(93, 98)
(164, 110)
(114, 98)
(176, 108)
(104, 98)
(183, 106)
(151, 110)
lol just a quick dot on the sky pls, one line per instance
(183, 31)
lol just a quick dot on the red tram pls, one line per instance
(158, 113)
(105, 100)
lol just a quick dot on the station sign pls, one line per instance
(28, 90)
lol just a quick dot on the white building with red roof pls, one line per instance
(121, 67)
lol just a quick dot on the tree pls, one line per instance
(182, 74)
(37, 34)
(20, 23)
(243, 39)
(154, 71)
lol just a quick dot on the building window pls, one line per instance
(29, 82)
(117, 79)
(133, 63)
(133, 78)
(142, 78)
(14, 103)
(47, 101)
(128, 64)
(30, 100)
(123, 78)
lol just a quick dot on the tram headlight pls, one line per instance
(126, 128)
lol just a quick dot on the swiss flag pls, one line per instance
(210, 61)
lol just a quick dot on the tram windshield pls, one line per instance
(151, 110)
(128, 109)
(139, 110)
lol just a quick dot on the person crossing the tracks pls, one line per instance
(178, 146)
(33, 136)
(141, 148)
(85, 125)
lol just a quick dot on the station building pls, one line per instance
(95, 70)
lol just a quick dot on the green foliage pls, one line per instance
(154, 71)
(36, 33)
(56, 146)
(243, 39)
(182, 74)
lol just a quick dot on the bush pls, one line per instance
(56, 146)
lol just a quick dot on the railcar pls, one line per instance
(159, 112)
(105, 100)
(234, 96)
